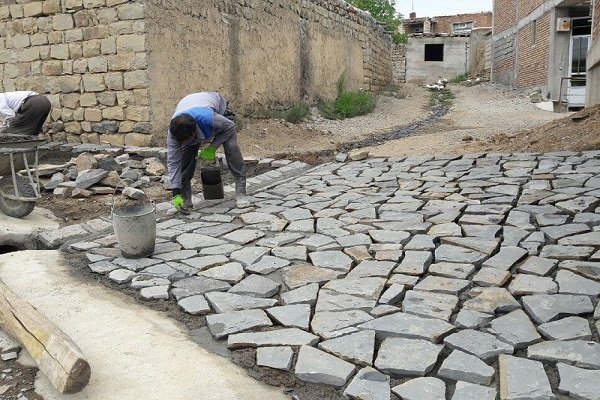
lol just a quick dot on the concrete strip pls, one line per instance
(132, 349)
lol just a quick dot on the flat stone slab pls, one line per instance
(579, 383)
(197, 285)
(295, 315)
(414, 262)
(369, 288)
(407, 357)
(249, 255)
(244, 236)
(256, 286)
(516, 329)
(470, 391)
(434, 305)
(326, 322)
(506, 258)
(588, 269)
(387, 236)
(421, 389)
(408, 326)
(483, 245)
(227, 302)
(279, 337)
(155, 293)
(523, 284)
(279, 357)
(548, 307)
(561, 252)
(580, 353)
(357, 348)
(303, 295)
(369, 384)
(537, 266)
(570, 328)
(442, 285)
(267, 264)
(332, 301)
(585, 239)
(202, 263)
(370, 268)
(570, 283)
(471, 319)
(196, 241)
(296, 276)
(393, 295)
(194, 305)
(523, 379)
(488, 276)
(223, 325)
(480, 344)
(230, 273)
(335, 259)
(316, 366)
(456, 254)
(451, 270)
(460, 366)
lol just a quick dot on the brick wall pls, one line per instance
(505, 15)
(527, 6)
(115, 69)
(480, 20)
(596, 24)
(533, 57)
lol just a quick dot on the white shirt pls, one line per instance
(10, 102)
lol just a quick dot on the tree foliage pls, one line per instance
(382, 10)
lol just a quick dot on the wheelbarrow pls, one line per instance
(18, 194)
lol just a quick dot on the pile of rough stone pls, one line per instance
(91, 174)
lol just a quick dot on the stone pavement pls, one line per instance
(466, 277)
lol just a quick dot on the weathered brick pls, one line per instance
(35, 68)
(93, 114)
(80, 66)
(88, 100)
(20, 41)
(67, 66)
(110, 3)
(44, 24)
(121, 28)
(33, 9)
(114, 81)
(70, 100)
(126, 98)
(67, 115)
(62, 22)
(108, 45)
(138, 139)
(95, 32)
(11, 71)
(4, 13)
(75, 51)
(130, 11)
(29, 54)
(93, 83)
(73, 35)
(97, 64)
(52, 68)
(107, 16)
(51, 7)
(135, 80)
(79, 114)
(133, 43)
(59, 51)
(16, 10)
(73, 4)
(70, 84)
(107, 98)
(55, 37)
(137, 114)
(44, 52)
(142, 97)
(113, 113)
(39, 39)
(82, 18)
(91, 48)
(94, 3)
(121, 62)
(113, 139)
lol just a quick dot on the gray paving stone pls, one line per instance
(295, 214)
(296, 276)
(369, 288)
(332, 301)
(164, 270)
(489, 276)
(121, 275)
(303, 295)
(562, 231)
(335, 259)
(194, 305)
(222, 325)
(295, 315)
(470, 391)
(570, 283)
(202, 263)
(442, 285)
(482, 245)
(445, 229)
(244, 236)
(290, 252)
(103, 267)
(230, 273)
(267, 265)
(155, 292)
(401, 279)
(506, 258)
(195, 241)
(421, 242)
(549, 307)
(578, 205)
(386, 236)
(227, 302)
(142, 281)
(560, 252)
(197, 285)
(434, 305)
(52, 239)
(523, 284)
(421, 389)
(256, 286)
(586, 268)
(451, 270)
(408, 326)
(357, 239)
(176, 255)
(407, 357)
(249, 255)
(304, 225)
(278, 357)
(484, 231)
(280, 239)
(480, 344)
(279, 337)
(393, 295)
(537, 266)
(369, 384)
(357, 348)
(319, 242)
(523, 379)
(316, 366)
(472, 319)
(516, 329)
(370, 268)
(415, 262)
(580, 353)
(135, 264)
(460, 366)
(323, 323)
(570, 328)
(456, 254)
(578, 383)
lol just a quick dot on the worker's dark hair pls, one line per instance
(182, 127)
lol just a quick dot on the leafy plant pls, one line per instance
(382, 10)
(349, 104)
(400, 38)
(297, 113)
(459, 78)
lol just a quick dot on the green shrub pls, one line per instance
(348, 105)
(297, 113)
(459, 78)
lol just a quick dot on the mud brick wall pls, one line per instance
(444, 24)
(115, 69)
(399, 62)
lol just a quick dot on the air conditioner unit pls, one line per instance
(563, 25)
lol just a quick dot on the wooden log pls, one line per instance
(57, 356)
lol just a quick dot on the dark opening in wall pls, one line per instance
(5, 249)
(434, 52)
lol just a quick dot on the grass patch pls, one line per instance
(445, 97)
(459, 78)
(348, 105)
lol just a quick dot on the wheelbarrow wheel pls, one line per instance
(16, 208)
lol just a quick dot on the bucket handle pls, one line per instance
(112, 207)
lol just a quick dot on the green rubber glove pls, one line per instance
(208, 154)
(178, 202)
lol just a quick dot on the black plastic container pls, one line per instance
(212, 183)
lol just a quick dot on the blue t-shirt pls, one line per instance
(204, 119)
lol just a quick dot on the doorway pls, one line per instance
(581, 38)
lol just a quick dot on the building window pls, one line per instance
(462, 27)
(534, 32)
(434, 52)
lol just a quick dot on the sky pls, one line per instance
(432, 8)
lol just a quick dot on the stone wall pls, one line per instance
(115, 69)
(399, 61)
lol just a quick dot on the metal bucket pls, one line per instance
(135, 229)
(212, 183)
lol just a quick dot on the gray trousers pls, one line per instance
(30, 117)
(225, 135)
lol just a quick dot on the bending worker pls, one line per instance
(199, 119)
(23, 112)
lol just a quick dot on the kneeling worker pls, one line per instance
(199, 119)
(23, 112)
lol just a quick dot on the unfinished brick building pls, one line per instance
(543, 44)
(446, 24)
